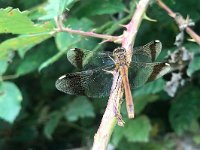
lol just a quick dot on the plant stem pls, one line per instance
(173, 15)
(133, 26)
(109, 119)
(115, 39)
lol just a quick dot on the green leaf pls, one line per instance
(22, 42)
(3, 66)
(52, 123)
(142, 100)
(79, 108)
(138, 130)
(64, 40)
(16, 22)
(51, 60)
(35, 58)
(150, 88)
(183, 8)
(185, 109)
(55, 8)
(10, 101)
(118, 134)
(100, 7)
(192, 47)
(196, 139)
(194, 65)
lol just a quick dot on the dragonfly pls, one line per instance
(95, 80)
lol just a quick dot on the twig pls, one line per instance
(133, 26)
(173, 15)
(115, 39)
(109, 119)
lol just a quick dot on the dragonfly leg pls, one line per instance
(108, 71)
(120, 121)
(112, 59)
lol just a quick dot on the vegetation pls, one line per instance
(35, 115)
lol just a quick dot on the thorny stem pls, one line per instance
(109, 119)
(173, 15)
(115, 39)
(133, 26)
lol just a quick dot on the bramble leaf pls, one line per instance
(55, 8)
(100, 7)
(79, 108)
(21, 43)
(185, 109)
(52, 123)
(16, 22)
(138, 130)
(10, 102)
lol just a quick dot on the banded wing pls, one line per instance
(140, 72)
(93, 83)
(85, 59)
(147, 53)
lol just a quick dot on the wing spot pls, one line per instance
(167, 64)
(62, 77)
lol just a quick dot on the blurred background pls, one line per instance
(36, 116)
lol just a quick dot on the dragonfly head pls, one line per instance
(120, 55)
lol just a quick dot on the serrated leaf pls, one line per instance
(150, 88)
(185, 109)
(64, 40)
(52, 123)
(138, 130)
(22, 42)
(55, 8)
(100, 7)
(79, 108)
(16, 22)
(10, 101)
(3, 66)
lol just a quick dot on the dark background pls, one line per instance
(46, 119)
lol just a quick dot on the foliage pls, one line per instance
(35, 115)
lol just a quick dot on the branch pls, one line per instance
(109, 119)
(115, 39)
(61, 28)
(180, 22)
(133, 26)
(110, 116)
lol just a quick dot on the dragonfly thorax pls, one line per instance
(120, 56)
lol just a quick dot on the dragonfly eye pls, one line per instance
(119, 51)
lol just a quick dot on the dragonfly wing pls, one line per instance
(140, 72)
(148, 52)
(85, 59)
(93, 83)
